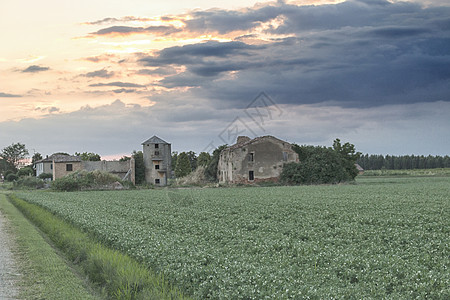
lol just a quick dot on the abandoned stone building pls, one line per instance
(254, 160)
(157, 160)
(60, 165)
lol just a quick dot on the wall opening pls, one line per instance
(69, 167)
(251, 175)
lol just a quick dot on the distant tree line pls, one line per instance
(404, 162)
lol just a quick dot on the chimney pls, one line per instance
(242, 139)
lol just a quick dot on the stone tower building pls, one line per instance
(157, 161)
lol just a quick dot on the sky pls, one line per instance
(104, 76)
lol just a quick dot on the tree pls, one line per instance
(174, 159)
(348, 156)
(36, 157)
(183, 166)
(318, 165)
(211, 168)
(27, 171)
(125, 158)
(139, 167)
(203, 159)
(13, 154)
(192, 159)
(88, 156)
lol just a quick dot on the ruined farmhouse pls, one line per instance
(157, 160)
(248, 161)
(60, 165)
(254, 160)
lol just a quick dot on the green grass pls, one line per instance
(379, 238)
(44, 274)
(117, 275)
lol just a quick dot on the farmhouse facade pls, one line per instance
(60, 165)
(254, 160)
(157, 160)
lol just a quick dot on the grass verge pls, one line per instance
(44, 274)
(117, 275)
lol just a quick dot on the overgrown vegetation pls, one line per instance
(83, 180)
(116, 274)
(383, 238)
(322, 165)
(211, 168)
(44, 274)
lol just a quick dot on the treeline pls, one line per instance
(404, 162)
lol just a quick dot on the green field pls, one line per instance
(379, 238)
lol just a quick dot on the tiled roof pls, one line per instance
(236, 146)
(155, 140)
(65, 158)
(59, 158)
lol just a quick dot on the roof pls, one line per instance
(154, 140)
(65, 158)
(236, 146)
(59, 158)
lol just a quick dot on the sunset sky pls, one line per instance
(103, 76)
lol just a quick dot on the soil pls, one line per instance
(9, 275)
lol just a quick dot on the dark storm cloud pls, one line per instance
(35, 69)
(356, 53)
(7, 95)
(195, 53)
(99, 73)
(118, 84)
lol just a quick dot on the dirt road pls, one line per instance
(8, 271)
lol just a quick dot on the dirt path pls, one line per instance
(8, 270)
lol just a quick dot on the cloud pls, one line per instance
(353, 54)
(127, 30)
(118, 84)
(103, 73)
(35, 69)
(126, 91)
(195, 53)
(7, 95)
(100, 58)
(115, 20)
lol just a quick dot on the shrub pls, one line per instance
(45, 176)
(66, 184)
(83, 180)
(29, 182)
(319, 165)
(27, 171)
(11, 177)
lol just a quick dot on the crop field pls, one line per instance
(379, 238)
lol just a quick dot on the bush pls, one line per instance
(45, 176)
(29, 182)
(27, 171)
(318, 165)
(11, 177)
(83, 180)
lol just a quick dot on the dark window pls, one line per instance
(251, 156)
(251, 175)
(157, 167)
(157, 181)
(51, 166)
(156, 146)
(69, 167)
